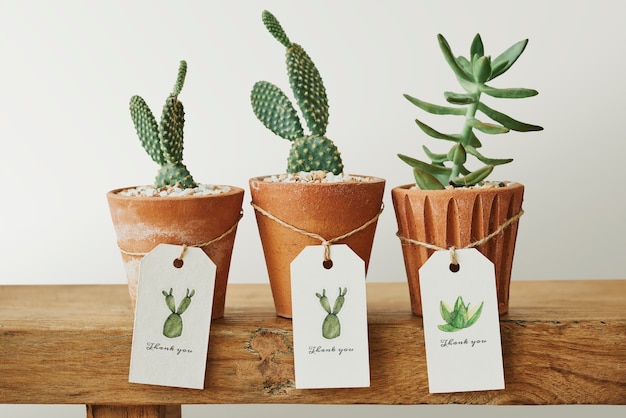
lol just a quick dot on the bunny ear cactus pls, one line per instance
(173, 326)
(164, 141)
(331, 327)
(274, 109)
(472, 74)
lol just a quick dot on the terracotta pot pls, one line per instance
(458, 217)
(141, 223)
(326, 209)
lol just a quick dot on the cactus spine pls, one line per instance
(164, 141)
(274, 109)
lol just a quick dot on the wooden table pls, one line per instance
(564, 342)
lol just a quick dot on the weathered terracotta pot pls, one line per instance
(458, 218)
(141, 223)
(329, 210)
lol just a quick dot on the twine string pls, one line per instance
(185, 246)
(326, 243)
(453, 256)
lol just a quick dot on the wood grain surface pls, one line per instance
(564, 342)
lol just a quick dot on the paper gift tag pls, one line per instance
(461, 323)
(172, 317)
(329, 319)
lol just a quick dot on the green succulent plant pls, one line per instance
(331, 327)
(459, 317)
(472, 73)
(163, 141)
(173, 326)
(309, 152)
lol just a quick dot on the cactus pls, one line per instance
(331, 327)
(164, 141)
(274, 109)
(472, 75)
(460, 317)
(173, 326)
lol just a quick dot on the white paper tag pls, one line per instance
(329, 319)
(172, 318)
(461, 323)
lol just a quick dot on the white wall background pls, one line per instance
(69, 69)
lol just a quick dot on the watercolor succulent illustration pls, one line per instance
(309, 152)
(331, 327)
(173, 326)
(163, 141)
(472, 73)
(459, 317)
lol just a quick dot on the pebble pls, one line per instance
(315, 177)
(174, 191)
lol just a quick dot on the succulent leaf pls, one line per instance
(477, 47)
(433, 108)
(507, 121)
(274, 109)
(473, 177)
(488, 128)
(436, 134)
(459, 156)
(459, 98)
(425, 180)
(481, 69)
(432, 169)
(488, 161)
(509, 57)
(451, 60)
(435, 158)
(511, 93)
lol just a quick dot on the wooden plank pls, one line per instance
(563, 343)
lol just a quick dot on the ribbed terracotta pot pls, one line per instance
(141, 223)
(458, 217)
(327, 209)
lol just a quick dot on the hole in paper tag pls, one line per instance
(461, 323)
(172, 317)
(329, 319)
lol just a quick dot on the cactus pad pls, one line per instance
(272, 107)
(308, 89)
(311, 153)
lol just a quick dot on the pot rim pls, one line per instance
(114, 194)
(408, 188)
(259, 180)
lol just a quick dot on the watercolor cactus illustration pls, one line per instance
(163, 141)
(309, 152)
(460, 317)
(331, 327)
(173, 326)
